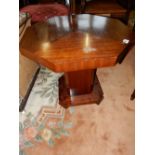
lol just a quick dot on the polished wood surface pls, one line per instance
(76, 45)
(119, 9)
(67, 98)
(66, 44)
(104, 7)
(80, 82)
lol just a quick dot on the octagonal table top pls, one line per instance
(71, 43)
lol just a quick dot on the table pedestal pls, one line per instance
(79, 88)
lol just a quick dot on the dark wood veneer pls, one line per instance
(76, 45)
(68, 99)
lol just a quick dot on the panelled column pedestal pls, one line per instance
(79, 88)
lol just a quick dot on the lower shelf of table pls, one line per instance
(66, 100)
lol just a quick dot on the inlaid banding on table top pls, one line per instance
(78, 64)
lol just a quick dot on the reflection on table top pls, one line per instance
(69, 43)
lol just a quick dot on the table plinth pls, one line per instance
(79, 88)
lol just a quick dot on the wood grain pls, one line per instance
(76, 45)
(69, 44)
(66, 100)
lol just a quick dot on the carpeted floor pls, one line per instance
(105, 129)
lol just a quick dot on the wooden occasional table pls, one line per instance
(76, 45)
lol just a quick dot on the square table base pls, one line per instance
(67, 98)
